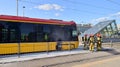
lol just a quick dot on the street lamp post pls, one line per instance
(17, 7)
(23, 10)
(19, 39)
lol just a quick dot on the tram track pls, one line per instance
(80, 60)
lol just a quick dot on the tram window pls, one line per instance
(47, 28)
(47, 32)
(74, 33)
(3, 32)
(13, 32)
(4, 35)
(9, 32)
(39, 32)
(27, 32)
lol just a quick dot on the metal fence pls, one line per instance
(105, 40)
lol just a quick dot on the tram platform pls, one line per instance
(32, 56)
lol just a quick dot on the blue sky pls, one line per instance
(80, 11)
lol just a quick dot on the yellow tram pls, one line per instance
(23, 34)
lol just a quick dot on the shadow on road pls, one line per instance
(111, 51)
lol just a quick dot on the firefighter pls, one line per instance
(99, 42)
(59, 45)
(85, 41)
(91, 43)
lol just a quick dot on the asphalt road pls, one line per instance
(109, 62)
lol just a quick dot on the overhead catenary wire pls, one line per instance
(85, 11)
(78, 10)
(114, 2)
(89, 5)
(29, 2)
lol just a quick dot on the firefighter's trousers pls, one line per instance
(99, 45)
(91, 47)
(85, 45)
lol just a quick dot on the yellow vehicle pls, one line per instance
(23, 34)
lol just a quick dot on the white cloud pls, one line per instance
(57, 14)
(117, 15)
(100, 19)
(57, 7)
(111, 16)
(95, 21)
(49, 7)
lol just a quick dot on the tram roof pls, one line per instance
(35, 20)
